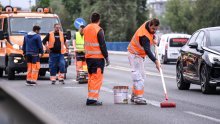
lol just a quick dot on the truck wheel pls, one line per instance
(42, 73)
(1, 72)
(11, 74)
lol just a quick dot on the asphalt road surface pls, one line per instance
(66, 102)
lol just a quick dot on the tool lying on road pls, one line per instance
(164, 104)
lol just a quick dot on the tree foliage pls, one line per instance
(190, 15)
(44, 3)
(119, 18)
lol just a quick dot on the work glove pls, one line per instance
(107, 62)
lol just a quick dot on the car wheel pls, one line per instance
(11, 74)
(1, 72)
(181, 84)
(204, 79)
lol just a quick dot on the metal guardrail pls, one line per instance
(16, 109)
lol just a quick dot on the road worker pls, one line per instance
(96, 57)
(32, 47)
(138, 49)
(78, 45)
(56, 47)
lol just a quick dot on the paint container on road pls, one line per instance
(120, 94)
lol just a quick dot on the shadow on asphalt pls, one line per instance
(217, 92)
(23, 77)
(174, 63)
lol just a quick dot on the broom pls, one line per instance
(166, 103)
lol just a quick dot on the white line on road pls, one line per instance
(151, 102)
(146, 72)
(73, 87)
(203, 116)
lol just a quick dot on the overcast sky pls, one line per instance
(24, 4)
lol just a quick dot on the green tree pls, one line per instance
(61, 11)
(119, 18)
(142, 11)
(179, 15)
(43, 3)
(207, 15)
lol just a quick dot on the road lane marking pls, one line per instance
(202, 116)
(69, 87)
(146, 72)
(151, 102)
(107, 89)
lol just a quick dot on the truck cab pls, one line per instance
(14, 25)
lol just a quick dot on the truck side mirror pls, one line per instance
(1, 35)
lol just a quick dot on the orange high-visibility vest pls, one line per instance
(134, 46)
(52, 41)
(92, 47)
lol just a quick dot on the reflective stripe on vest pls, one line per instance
(91, 44)
(92, 48)
(94, 91)
(52, 41)
(79, 41)
(94, 52)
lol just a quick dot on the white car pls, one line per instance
(169, 46)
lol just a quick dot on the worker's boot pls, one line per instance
(53, 82)
(90, 102)
(140, 101)
(30, 83)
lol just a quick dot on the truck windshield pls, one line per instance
(178, 42)
(23, 25)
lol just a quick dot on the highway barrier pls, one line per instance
(15, 108)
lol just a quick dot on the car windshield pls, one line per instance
(178, 42)
(214, 37)
(21, 26)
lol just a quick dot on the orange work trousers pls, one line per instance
(32, 71)
(94, 84)
(33, 67)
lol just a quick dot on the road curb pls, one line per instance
(30, 106)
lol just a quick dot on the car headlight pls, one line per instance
(16, 46)
(213, 58)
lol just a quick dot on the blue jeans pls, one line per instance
(56, 63)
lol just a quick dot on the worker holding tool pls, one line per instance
(96, 56)
(56, 47)
(139, 48)
(32, 49)
(78, 45)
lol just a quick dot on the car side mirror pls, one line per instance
(1, 35)
(193, 45)
(68, 35)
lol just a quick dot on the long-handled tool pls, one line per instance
(165, 103)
